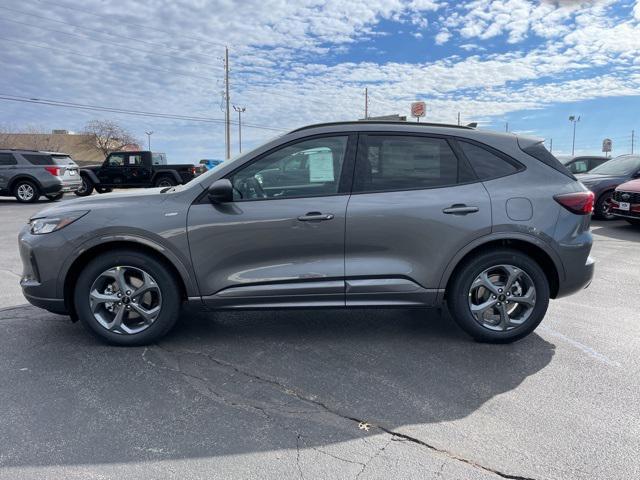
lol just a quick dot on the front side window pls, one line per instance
(116, 160)
(579, 166)
(404, 163)
(7, 159)
(308, 168)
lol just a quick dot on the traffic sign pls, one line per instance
(607, 145)
(418, 109)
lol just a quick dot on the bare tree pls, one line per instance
(109, 136)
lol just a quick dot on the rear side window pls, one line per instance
(404, 163)
(7, 159)
(38, 159)
(539, 152)
(486, 164)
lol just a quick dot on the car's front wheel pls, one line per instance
(127, 298)
(86, 187)
(498, 296)
(602, 210)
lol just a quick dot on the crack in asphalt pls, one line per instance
(307, 399)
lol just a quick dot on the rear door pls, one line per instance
(137, 169)
(7, 169)
(415, 203)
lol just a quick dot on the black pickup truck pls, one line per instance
(133, 170)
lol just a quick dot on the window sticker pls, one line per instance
(321, 167)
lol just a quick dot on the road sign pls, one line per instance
(418, 109)
(607, 145)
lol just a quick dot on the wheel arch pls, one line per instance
(23, 176)
(534, 248)
(73, 271)
(91, 174)
(166, 173)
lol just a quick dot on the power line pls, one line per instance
(140, 113)
(93, 57)
(84, 35)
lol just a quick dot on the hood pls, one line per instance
(593, 178)
(118, 200)
(90, 167)
(632, 186)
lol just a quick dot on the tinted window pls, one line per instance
(485, 163)
(404, 163)
(7, 159)
(62, 160)
(623, 165)
(539, 152)
(39, 159)
(308, 168)
(134, 160)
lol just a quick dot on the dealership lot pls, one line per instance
(327, 394)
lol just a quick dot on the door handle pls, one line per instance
(315, 216)
(460, 209)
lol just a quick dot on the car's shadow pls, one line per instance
(240, 382)
(616, 229)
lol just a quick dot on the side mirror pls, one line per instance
(220, 191)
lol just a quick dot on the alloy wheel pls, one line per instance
(502, 297)
(26, 192)
(125, 300)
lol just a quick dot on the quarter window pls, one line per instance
(35, 159)
(308, 168)
(404, 163)
(7, 159)
(486, 164)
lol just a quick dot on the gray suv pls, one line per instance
(355, 214)
(28, 174)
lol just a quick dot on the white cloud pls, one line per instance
(442, 37)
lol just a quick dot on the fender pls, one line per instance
(23, 176)
(91, 174)
(172, 173)
(175, 260)
(533, 240)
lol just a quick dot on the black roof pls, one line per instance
(383, 122)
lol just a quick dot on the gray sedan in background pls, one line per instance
(352, 214)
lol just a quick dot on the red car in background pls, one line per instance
(625, 202)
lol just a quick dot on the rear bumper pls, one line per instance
(577, 278)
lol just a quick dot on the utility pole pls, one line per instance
(572, 118)
(150, 132)
(240, 111)
(551, 145)
(506, 127)
(366, 103)
(227, 117)
(458, 118)
(633, 134)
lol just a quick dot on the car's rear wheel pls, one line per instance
(165, 181)
(499, 296)
(602, 209)
(86, 187)
(54, 197)
(127, 298)
(26, 191)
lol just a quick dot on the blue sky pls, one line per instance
(525, 62)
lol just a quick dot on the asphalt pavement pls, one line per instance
(327, 394)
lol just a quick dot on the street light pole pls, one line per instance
(149, 133)
(575, 120)
(240, 111)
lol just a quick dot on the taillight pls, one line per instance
(55, 171)
(580, 203)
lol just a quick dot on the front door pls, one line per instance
(281, 241)
(415, 204)
(113, 170)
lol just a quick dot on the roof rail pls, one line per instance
(384, 122)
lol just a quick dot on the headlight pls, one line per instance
(53, 223)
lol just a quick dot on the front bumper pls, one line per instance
(39, 281)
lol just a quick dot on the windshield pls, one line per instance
(618, 166)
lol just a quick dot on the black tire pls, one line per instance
(458, 294)
(601, 211)
(54, 197)
(165, 181)
(104, 189)
(633, 221)
(86, 188)
(26, 191)
(164, 278)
